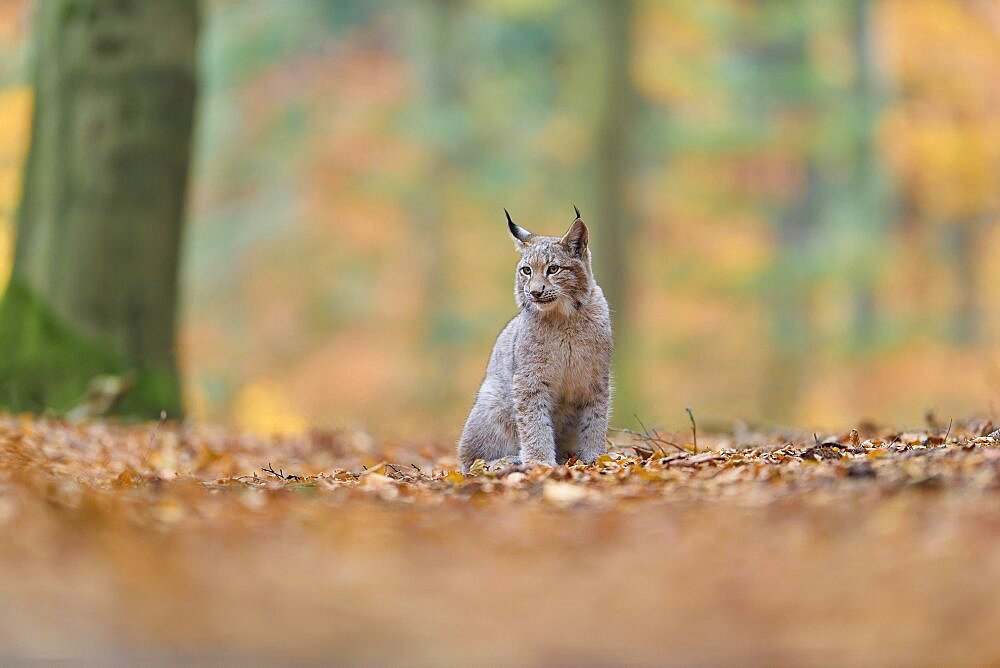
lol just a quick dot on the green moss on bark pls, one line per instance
(47, 365)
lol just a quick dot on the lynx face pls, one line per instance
(554, 273)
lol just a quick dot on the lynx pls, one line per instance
(546, 394)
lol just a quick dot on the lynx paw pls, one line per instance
(504, 464)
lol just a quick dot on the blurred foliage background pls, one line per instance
(794, 205)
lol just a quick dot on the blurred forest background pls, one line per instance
(794, 205)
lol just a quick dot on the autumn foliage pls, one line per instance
(329, 170)
(870, 546)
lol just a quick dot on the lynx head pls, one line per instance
(554, 274)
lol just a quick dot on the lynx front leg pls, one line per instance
(489, 433)
(533, 414)
(593, 430)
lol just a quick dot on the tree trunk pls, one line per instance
(789, 297)
(437, 68)
(866, 184)
(782, 67)
(94, 285)
(612, 228)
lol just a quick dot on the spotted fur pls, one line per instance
(546, 394)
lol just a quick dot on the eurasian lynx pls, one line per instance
(547, 389)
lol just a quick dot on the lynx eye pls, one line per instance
(526, 271)
(553, 269)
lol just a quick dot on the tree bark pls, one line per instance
(866, 180)
(612, 226)
(437, 64)
(789, 299)
(782, 65)
(94, 284)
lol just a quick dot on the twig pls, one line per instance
(694, 428)
(948, 433)
(645, 431)
(652, 438)
(280, 473)
(646, 438)
(156, 429)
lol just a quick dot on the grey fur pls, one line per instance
(546, 394)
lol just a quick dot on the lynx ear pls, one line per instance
(577, 237)
(521, 235)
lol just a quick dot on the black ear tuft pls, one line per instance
(520, 234)
(578, 216)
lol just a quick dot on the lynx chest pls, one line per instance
(570, 359)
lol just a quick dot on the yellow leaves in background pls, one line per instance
(950, 162)
(666, 35)
(263, 408)
(15, 126)
(944, 136)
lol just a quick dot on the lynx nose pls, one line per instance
(537, 294)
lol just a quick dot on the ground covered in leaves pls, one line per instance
(868, 547)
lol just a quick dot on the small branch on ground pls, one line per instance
(280, 473)
(651, 438)
(694, 428)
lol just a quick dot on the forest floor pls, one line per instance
(174, 541)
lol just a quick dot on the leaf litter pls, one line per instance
(872, 546)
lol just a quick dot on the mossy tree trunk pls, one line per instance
(94, 284)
